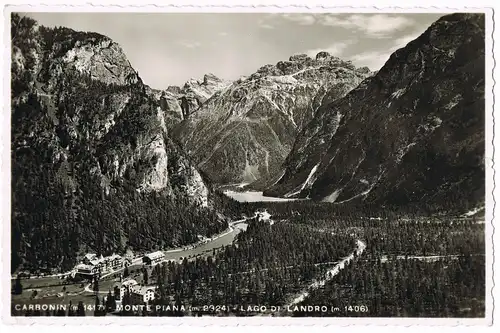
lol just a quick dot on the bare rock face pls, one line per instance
(178, 103)
(414, 132)
(195, 93)
(245, 130)
(85, 129)
(69, 90)
(103, 60)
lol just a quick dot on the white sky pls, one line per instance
(169, 48)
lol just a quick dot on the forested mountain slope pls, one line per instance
(93, 165)
(414, 132)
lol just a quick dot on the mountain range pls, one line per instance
(245, 130)
(102, 161)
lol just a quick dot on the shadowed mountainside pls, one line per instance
(414, 132)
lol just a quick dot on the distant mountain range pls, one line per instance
(178, 103)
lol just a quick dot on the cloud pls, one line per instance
(376, 59)
(264, 25)
(302, 19)
(189, 44)
(372, 59)
(402, 41)
(376, 25)
(335, 49)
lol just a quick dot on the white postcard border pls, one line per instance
(223, 6)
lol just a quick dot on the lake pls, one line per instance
(253, 196)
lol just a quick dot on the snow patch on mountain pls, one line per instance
(454, 101)
(306, 184)
(398, 93)
(284, 79)
(332, 197)
(403, 150)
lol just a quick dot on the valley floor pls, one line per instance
(290, 266)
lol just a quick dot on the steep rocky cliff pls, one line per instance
(178, 103)
(414, 132)
(93, 166)
(244, 131)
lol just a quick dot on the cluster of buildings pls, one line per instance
(140, 294)
(92, 265)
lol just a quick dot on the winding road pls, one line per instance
(217, 241)
(330, 274)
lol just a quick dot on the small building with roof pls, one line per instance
(87, 271)
(127, 285)
(142, 294)
(88, 258)
(113, 262)
(153, 258)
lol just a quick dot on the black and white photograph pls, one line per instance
(249, 164)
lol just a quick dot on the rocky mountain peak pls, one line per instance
(211, 78)
(191, 82)
(325, 56)
(102, 59)
(178, 103)
(174, 89)
(244, 132)
(299, 57)
(302, 63)
(412, 132)
(89, 90)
